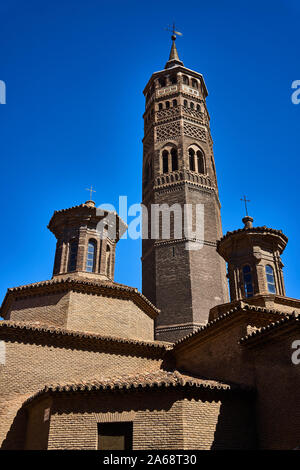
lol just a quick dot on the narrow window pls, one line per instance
(270, 279)
(174, 102)
(192, 159)
(162, 82)
(194, 84)
(90, 258)
(200, 161)
(185, 80)
(248, 284)
(108, 261)
(167, 104)
(174, 160)
(160, 106)
(192, 105)
(185, 103)
(115, 436)
(72, 256)
(173, 79)
(198, 107)
(165, 158)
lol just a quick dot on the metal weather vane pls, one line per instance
(172, 30)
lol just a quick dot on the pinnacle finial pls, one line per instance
(173, 58)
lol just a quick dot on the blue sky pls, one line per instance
(75, 71)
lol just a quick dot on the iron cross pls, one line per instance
(91, 190)
(245, 201)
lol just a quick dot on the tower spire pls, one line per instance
(174, 57)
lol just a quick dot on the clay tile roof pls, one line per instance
(156, 379)
(292, 319)
(36, 327)
(241, 307)
(99, 286)
(262, 229)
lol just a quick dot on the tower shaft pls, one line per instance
(184, 276)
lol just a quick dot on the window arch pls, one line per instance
(72, 255)
(200, 162)
(198, 107)
(248, 283)
(162, 82)
(185, 103)
(165, 161)
(192, 105)
(91, 256)
(174, 102)
(160, 106)
(194, 83)
(167, 104)
(185, 80)
(270, 279)
(192, 159)
(174, 159)
(173, 79)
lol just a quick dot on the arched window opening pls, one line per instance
(185, 80)
(200, 161)
(194, 83)
(108, 256)
(173, 79)
(162, 82)
(72, 255)
(248, 283)
(198, 107)
(160, 106)
(192, 105)
(270, 279)
(174, 160)
(167, 104)
(90, 258)
(192, 159)
(185, 103)
(165, 162)
(174, 102)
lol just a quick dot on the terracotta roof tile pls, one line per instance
(156, 379)
(291, 319)
(98, 286)
(262, 229)
(240, 307)
(43, 328)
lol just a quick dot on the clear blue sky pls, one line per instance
(75, 71)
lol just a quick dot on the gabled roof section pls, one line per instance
(232, 314)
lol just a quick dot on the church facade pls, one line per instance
(88, 363)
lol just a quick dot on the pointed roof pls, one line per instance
(174, 57)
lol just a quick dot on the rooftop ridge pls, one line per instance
(291, 318)
(43, 328)
(240, 307)
(159, 379)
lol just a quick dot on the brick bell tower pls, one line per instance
(179, 168)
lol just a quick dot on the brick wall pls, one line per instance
(85, 312)
(162, 419)
(109, 316)
(51, 309)
(30, 366)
